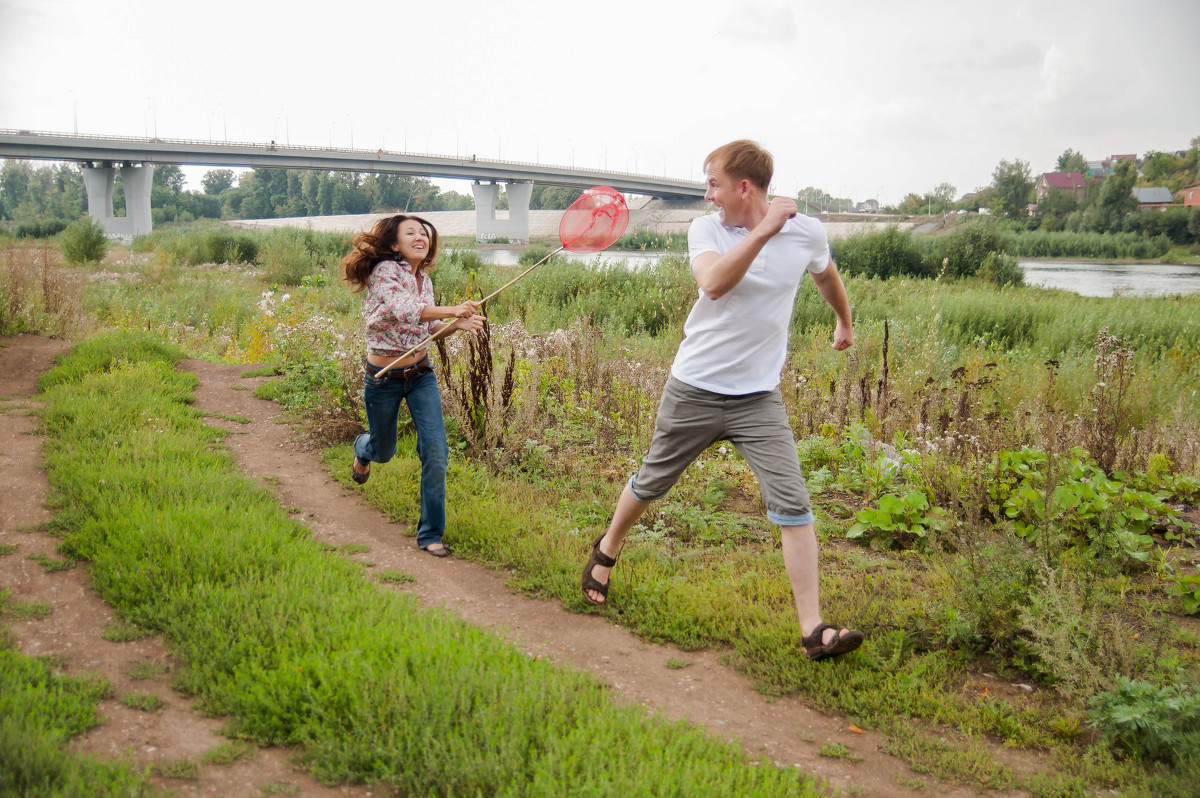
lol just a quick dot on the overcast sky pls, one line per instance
(862, 99)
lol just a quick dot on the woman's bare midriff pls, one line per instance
(383, 360)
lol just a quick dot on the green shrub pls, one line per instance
(888, 253)
(533, 253)
(1002, 269)
(42, 228)
(964, 249)
(83, 241)
(286, 260)
(1154, 722)
(1067, 244)
(899, 521)
(653, 240)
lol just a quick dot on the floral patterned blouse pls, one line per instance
(392, 308)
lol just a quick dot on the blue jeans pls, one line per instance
(382, 398)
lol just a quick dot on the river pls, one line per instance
(1114, 279)
(1086, 278)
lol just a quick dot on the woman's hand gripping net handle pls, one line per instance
(446, 329)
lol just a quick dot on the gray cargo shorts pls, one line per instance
(691, 419)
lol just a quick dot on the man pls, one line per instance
(748, 260)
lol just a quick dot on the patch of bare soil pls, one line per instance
(707, 693)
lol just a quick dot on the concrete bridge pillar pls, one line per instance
(136, 180)
(490, 226)
(485, 210)
(98, 180)
(518, 211)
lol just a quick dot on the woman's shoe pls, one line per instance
(444, 551)
(359, 476)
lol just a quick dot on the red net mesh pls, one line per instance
(594, 221)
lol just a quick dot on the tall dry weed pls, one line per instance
(517, 396)
(1073, 641)
(38, 295)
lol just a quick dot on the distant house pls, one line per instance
(1098, 170)
(1153, 197)
(970, 195)
(1068, 182)
(868, 206)
(1190, 196)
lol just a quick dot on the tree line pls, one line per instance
(1107, 205)
(43, 199)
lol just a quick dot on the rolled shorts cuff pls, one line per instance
(779, 519)
(634, 492)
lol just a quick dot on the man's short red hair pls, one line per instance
(743, 159)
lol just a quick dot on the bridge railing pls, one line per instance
(275, 146)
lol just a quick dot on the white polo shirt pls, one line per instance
(738, 344)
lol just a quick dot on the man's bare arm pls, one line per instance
(719, 274)
(833, 291)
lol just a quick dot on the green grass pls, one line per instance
(737, 597)
(228, 753)
(122, 632)
(703, 558)
(395, 577)
(23, 611)
(295, 647)
(7, 549)
(228, 417)
(181, 769)
(838, 751)
(40, 713)
(142, 670)
(142, 702)
(53, 564)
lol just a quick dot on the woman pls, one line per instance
(392, 262)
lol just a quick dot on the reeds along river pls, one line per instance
(1086, 278)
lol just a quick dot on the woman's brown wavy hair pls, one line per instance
(369, 248)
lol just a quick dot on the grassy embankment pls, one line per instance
(998, 403)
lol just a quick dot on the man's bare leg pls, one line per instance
(800, 562)
(628, 511)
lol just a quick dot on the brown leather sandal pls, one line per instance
(589, 583)
(815, 648)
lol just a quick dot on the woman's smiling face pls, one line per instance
(412, 242)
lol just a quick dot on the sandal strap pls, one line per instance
(600, 557)
(590, 583)
(817, 637)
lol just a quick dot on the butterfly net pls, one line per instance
(594, 221)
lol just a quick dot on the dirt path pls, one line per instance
(707, 692)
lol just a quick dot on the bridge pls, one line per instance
(102, 157)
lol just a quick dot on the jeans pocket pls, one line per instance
(373, 381)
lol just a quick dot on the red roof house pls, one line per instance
(1069, 182)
